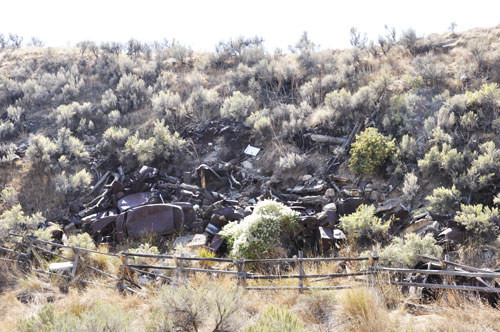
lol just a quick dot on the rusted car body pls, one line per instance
(152, 219)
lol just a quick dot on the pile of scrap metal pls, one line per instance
(431, 293)
(134, 208)
(205, 199)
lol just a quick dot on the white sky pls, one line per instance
(200, 24)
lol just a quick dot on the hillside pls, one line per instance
(388, 140)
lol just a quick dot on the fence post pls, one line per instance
(240, 263)
(444, 266)
(298, 260)
(177, 271)
(372, 259)
(75, 262)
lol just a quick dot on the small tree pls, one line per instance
(370, 150)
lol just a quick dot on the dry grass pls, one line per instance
(364, 311)
(358, 309)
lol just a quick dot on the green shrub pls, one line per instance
(484, 168)
(82, 240)
(168, 104)
(402, 251)
(114, 139)
(258, 235)
(132, 93)
(408, 147)
(363, 226)
(109, 101)
(144, 248)
(40, 150)
(160, 148)
(73, 184)
(370, 150)
(277, 319)
(238, 107)
(203, 103)
(481, 222)
(444, 200)
(101, 317)
(6, 128)
(447, 161)
(15, 220)
(9, 196)
(70, 146)
(194, 308)
(410, 187)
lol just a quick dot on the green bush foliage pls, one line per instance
(101, 317)
(197, 308)
(238, 107)
(168, 104)
(161, 147)
(258, 235)
(363, 226)
(40, 150)
(402, 251)
(83, 240)
(114, 139)
(481, 222)
(277, 319)
(14, 219)
(444, 200)
(370, 150)
(9, 196)
(73, 184)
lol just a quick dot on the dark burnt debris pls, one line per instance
(202, 200)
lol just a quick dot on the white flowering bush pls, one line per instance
(258, 235)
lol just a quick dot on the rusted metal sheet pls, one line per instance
(216, 243)
(155, 219)
(328, 218)
(134, 200)
(452, 234)
(209, 179)
(147, 172)
(107, 218)
(326, 238)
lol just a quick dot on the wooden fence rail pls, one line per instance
(243, 276)
(437, 272)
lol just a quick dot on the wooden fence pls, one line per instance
(238, 269)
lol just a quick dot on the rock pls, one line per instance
(199, 240)
(247, 164)
(306, 177)
(330, 193)
(182, 241)
(374, 196)
(330, 207)
(353, 192)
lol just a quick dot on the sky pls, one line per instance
(201, 24)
